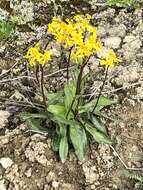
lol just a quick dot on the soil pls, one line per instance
(27, 161)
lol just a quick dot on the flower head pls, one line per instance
(110, 59)
(34, 56)
(77, 33)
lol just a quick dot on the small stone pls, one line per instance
(92, 186)
(50, 177)
(55, 184)
(112, 42)
(90, 174)
(101, 31)
(2, 185)
(6, 162)
(127, 76)
(28, 172)
(67, 186)
(131, 46)
(3, 118)
(116, 30)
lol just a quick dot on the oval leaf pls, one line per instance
(26, 115)
(103, 102)
(35, 126)
(79, 140)
(97, 135)
(63, 148)
(69, 91)
(58, 110)
(98, 124)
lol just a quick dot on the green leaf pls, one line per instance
(79, 140)
(57, 110)
(25, 115)
(103, 102)
(56, 142)
(121, 3)
(34, 125)
(69, 91)
(61, 120)
(97, 135)
(6, 29)
(63, 148)
(55, 98)
(98, 124)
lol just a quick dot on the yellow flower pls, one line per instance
(35, 57)
(110, 59)
(32, 55)
(77, 33)
(44, 58)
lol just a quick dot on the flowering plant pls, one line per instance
(74, 118)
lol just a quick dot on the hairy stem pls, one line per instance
(101, 89)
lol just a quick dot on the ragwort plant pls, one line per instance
(75, 118)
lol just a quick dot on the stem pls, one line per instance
(61, 56)
(68, 62)
(78, 87)
(79, 80)
(42, 86)
(36, 73)
(101, 89)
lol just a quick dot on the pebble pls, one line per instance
(6, 162)
(2, 185)
(3, 118)
(112, 42)
(55, 184)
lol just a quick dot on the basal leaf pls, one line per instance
(69, 91)
(61, 120)
(56, 142)
(79, 140)
(35, 126)
(25, 115)
(57, 110)
(98, 124)
(103, 102)
(55, 98)
(63, 148)
(97, 135)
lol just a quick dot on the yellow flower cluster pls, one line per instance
(109, 59)
(34, 56)
(78, 34)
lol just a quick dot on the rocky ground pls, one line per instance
(27, 161)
